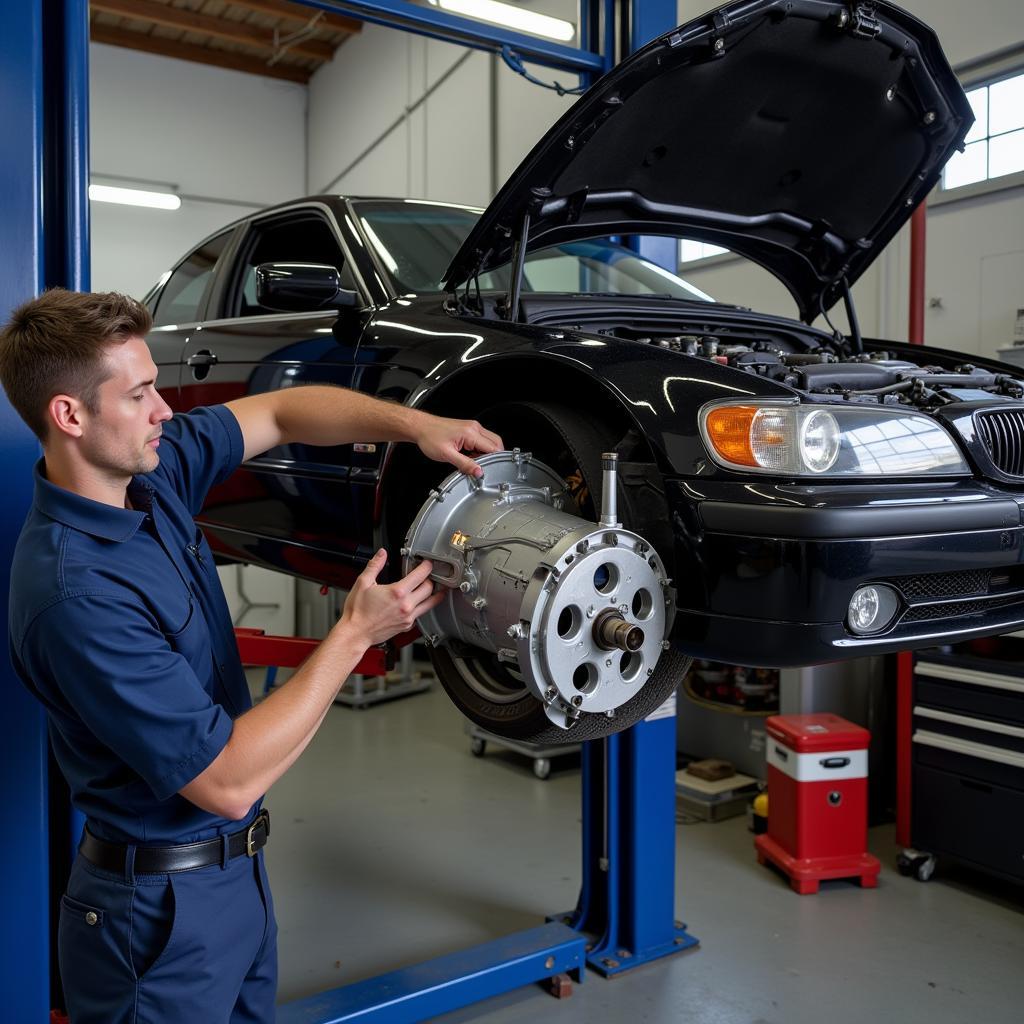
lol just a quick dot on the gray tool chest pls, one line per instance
(968, 761)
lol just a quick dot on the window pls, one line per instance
(181, 301)
(689, 250)
(297, 238)
(995, 143)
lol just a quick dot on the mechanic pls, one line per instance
(119, 625)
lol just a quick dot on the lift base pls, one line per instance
(439, 986)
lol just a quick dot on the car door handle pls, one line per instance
(204, 357)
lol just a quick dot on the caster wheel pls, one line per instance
(477, 747)
(542, 767)
(912, 863)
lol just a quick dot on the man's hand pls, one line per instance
(444, 440)
(376, 612)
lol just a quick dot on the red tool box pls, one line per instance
(817, 801)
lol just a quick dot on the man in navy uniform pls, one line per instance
(118, 624)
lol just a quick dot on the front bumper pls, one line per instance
(764, 573)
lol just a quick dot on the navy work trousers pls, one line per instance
(192, 947)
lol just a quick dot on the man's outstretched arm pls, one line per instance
(319, 415)
(267, 739)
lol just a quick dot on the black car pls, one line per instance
(813, 496)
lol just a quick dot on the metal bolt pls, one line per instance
(515, 631)
(665, 645)
(549, 963)
(608, 662)
(650, 672)
(577, 701)
(550, 693)
(929, 117)
(590, 611)
(91, 917)
(623, 954)
(610, 713)
(679, 924)
(844, 18)
(719, 45)
(890, 93)
(678, 941)
(479, 602)
(436, 495)
(609, 962)
(465, 586)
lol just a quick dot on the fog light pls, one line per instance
(872, 608)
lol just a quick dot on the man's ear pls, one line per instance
(66, 414)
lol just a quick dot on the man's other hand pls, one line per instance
(444, 440)
(376, 612)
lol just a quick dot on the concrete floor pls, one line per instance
(392, 845)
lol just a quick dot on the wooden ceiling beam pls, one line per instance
(198, 54)
(300, 12)
(219, 28)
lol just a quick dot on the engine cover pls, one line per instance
(580, 611)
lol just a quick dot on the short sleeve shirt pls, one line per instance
(119, 625)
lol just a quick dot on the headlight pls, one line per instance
(789, 439)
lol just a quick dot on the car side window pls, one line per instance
(181, 299)
(297, 238)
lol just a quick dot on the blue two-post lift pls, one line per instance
(625, 913)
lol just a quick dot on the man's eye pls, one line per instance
(137, 398)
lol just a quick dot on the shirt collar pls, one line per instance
(92, 517)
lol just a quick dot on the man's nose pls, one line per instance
(162, 412)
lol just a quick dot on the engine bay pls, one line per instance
(831, 370)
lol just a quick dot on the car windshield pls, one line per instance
(416, 241)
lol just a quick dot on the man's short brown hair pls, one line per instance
(54, 345)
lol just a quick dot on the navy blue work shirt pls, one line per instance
(119, 625)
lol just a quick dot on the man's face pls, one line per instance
(121, 437)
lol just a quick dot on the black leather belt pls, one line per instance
(159, 860)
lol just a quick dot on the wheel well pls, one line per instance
(409, 475)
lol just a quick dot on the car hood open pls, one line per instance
(799, 133)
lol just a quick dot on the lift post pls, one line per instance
(627, 900)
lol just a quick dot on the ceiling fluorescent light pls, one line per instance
(134, 197)
(513, 17)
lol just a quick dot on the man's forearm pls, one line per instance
(314, 415)
(267, 739)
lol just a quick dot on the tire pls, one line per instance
(486, 691)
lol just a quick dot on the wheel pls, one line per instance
(925, 868)
(488, 692)
(541, 767)
(477, 746)
(914, 863)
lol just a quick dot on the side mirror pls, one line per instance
(301, 287)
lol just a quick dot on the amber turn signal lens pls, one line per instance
(728, 429)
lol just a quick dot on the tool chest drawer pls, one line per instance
(968, 761)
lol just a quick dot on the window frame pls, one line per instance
(985, 79)
(158, 294)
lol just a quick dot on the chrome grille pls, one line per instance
(1002, 432)
(955, 609)
(963, 583)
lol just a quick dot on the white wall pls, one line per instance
(209, 132)
(443, 149)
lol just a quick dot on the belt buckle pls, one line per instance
(263, 818)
